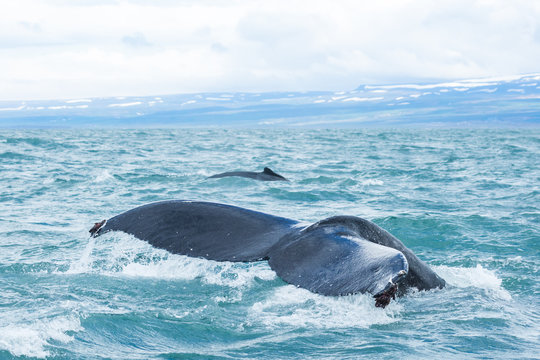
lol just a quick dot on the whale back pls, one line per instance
(245, 174)
(266, 175)
(202, 229)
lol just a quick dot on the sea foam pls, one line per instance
(479, 277)
(295, 307)
(32, 338)
(120, 254)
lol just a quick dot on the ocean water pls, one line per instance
(467, 202)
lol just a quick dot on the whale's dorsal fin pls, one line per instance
(270, 172)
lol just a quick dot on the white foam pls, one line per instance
(126, 104)
(127, 256)
(203, 172)
(102, 176)
(188, 102)
(319, 101)
(517, 90)
(239, 275)
(517, 258)
(233, 297)
(210, 272)
(478, 277)
(296, 307)
(372, 182)
(30, 339)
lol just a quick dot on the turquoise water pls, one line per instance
(465, 201)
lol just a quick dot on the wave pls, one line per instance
(31, 339)
(10, 155)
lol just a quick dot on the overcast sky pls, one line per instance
(83, 48)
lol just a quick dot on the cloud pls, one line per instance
(217, 47)
(63, 49)
(33, 27)
(136, 40)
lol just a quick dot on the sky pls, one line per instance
(55, 49)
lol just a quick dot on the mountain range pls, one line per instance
(495, 102)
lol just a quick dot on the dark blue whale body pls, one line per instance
(266, 175)
(337, 256)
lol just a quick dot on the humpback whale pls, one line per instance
(339, 255)
(266, 175)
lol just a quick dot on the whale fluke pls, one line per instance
(336, 256)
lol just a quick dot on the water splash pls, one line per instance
(84, 263)
(479, 277)
(120, 254)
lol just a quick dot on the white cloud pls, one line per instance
(66, 49)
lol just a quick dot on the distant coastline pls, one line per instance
(498, 102)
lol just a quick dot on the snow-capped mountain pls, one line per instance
(505, 101)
